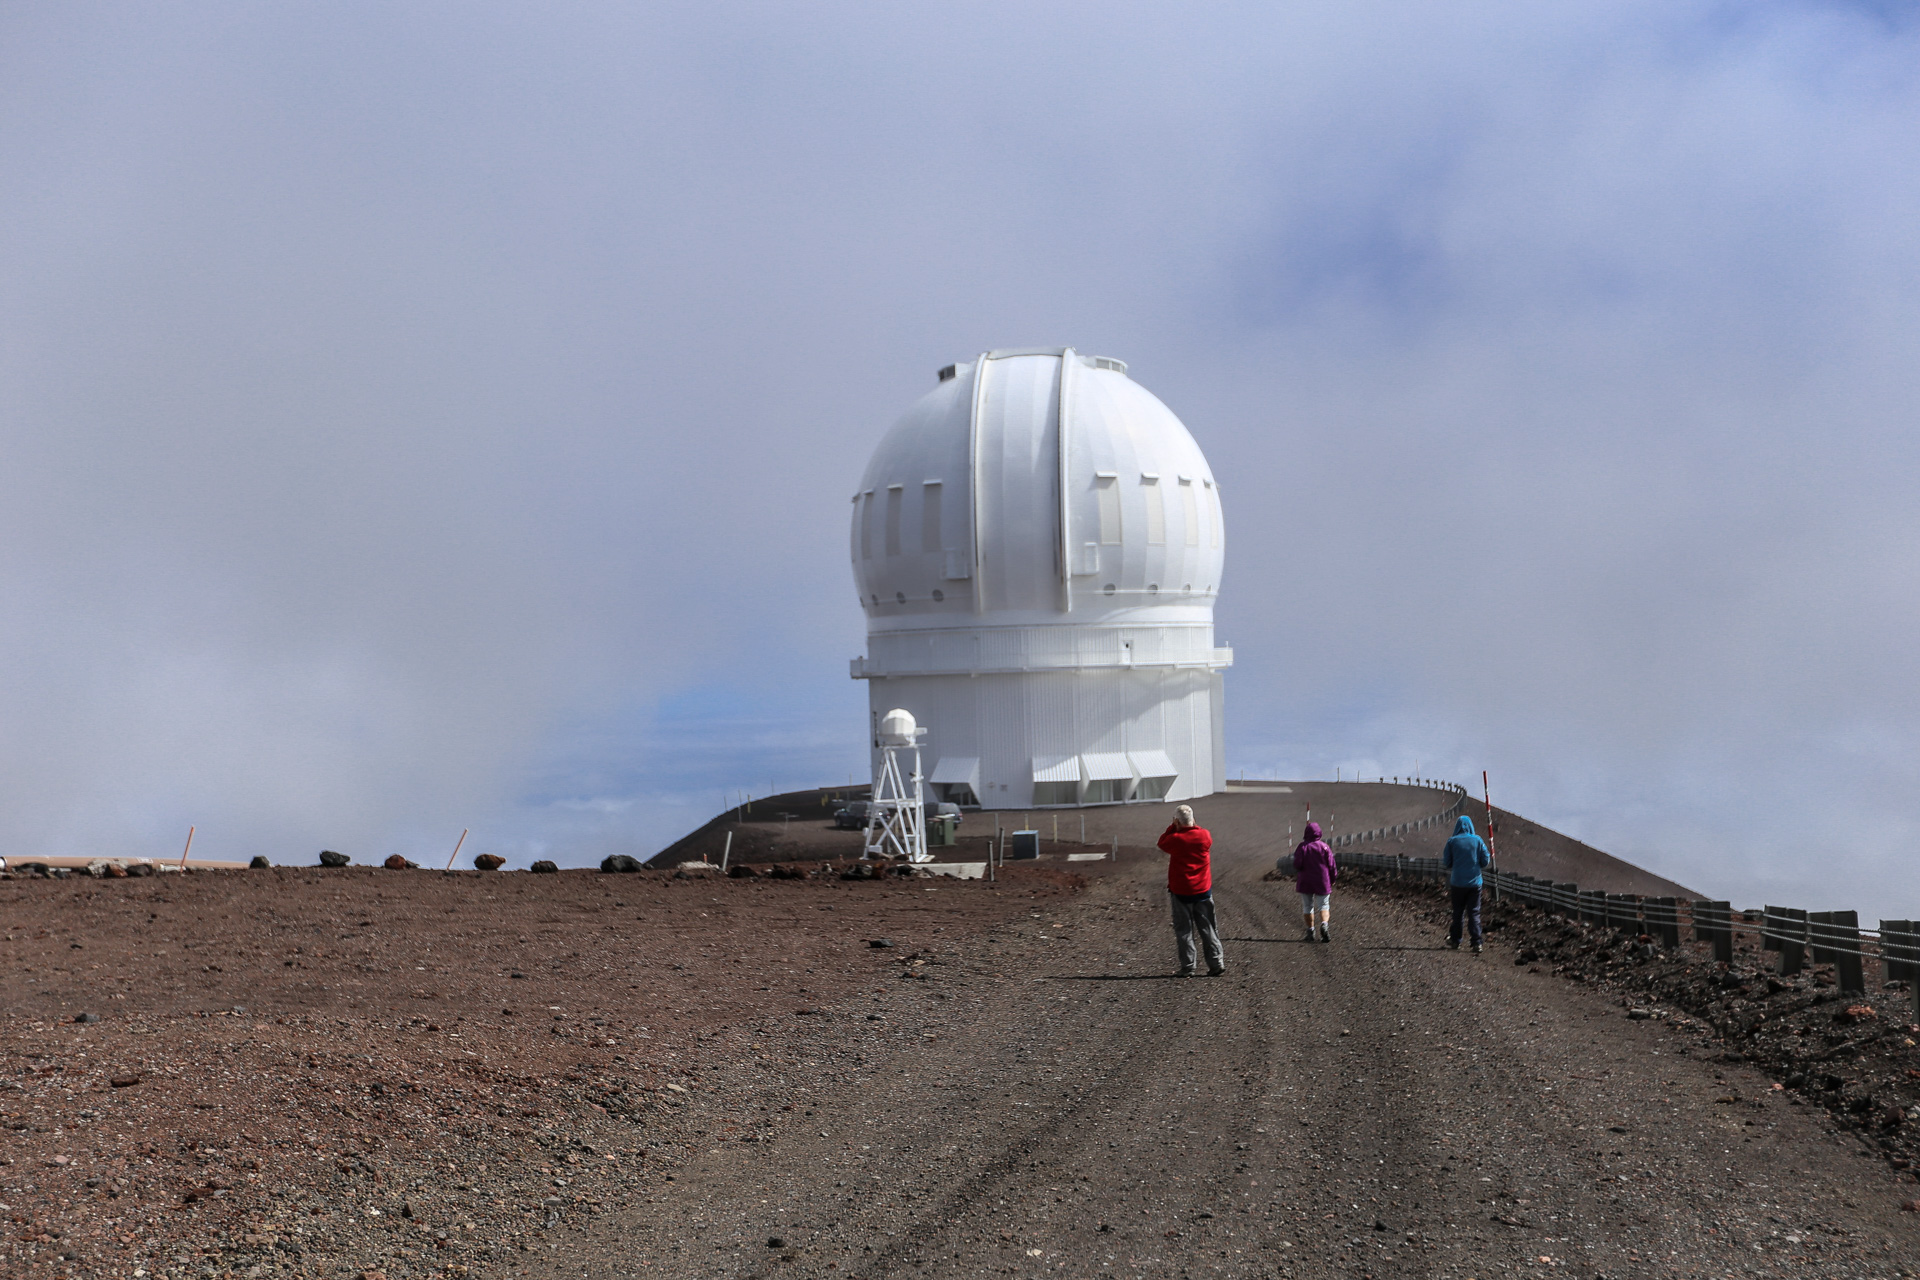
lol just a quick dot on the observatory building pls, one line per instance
(1037, 545)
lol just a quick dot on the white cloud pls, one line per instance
(405, 410)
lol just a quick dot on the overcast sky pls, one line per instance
(438, 416)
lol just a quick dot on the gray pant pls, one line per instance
(1190, 914)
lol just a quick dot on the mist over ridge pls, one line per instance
(443, 418)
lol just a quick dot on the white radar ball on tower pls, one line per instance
(1037, 545)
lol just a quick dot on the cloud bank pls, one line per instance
(443, 417)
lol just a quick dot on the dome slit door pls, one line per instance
(973, 478)
(1063, 548)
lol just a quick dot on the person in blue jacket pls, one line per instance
(1463, 859)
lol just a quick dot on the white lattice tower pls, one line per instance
(897, 816)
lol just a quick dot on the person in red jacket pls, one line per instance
(1190, 882)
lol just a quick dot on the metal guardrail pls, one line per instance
(1452, 811)
(1824, 937)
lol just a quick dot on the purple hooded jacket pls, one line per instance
(1313, 865)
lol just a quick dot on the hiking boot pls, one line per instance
(1214, 973)
(1309, 934)
(1185, 973)
(1326, 934)
(1453, 944)
(1476, 948)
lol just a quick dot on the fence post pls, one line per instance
(1788, 929)
(1593, 907)
(1835, 937)
(1899, 961)
(1713, 922)
(1664, 915)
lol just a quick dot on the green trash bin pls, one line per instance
(943, 833)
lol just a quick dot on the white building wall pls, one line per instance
(1005, 721)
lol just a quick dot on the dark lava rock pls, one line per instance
(775, 1242)
(259, 863)
(328, 858)
(741, 871)
(86, 1017)
(489, 861)
(619, 862)
(124, 1082)
(879, 942)
(40, 869)
(543, 867)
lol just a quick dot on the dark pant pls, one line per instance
(1466, 901)
(1193, 915)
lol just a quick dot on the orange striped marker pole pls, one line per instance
(1486, 794)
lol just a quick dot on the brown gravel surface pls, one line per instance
(698, 1077)
(1378, 1107)
(1855, 1054)
(330, 1072)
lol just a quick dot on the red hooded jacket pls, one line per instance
(1189, 868)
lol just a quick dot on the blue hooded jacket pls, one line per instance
(1464, 855)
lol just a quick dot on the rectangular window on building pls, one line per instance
(1190, 507)
(1152, 788)
(1106, 485)
(930, 516)
(894, 494)
(1046, 793)
(1218, 519)
(1156, 510)
(866, 525)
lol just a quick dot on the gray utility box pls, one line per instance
(1026, 844)
(942, 831)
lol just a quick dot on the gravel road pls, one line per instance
(1049, 1101)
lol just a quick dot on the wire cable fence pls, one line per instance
(1448, 814)
(1822, 937)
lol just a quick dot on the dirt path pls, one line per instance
(1051, 1103)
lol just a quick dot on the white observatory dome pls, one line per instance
(1037, 545)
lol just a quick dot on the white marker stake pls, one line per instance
(456, 847)
(189, 849)
(726, 852)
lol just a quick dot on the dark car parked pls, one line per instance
(854, 816)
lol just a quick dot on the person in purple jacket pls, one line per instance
(1313, 873)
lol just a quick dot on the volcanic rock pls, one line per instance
(741, 871)
(543, 867)
(140, 869)
(489, 861)
(328, 858)
(395, 862)
(259, 863)
(619, 862)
